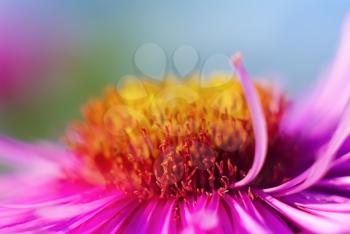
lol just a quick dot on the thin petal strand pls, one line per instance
(258, 121)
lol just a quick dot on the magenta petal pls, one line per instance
(338, 79)
(206, 216)
(320, 201)
(340, 167)
(312, 222)
(322, 164)
(258, 213)
(343, 160)
(287, 185)
(23, 158)
(116, 221)
(73, 223)
(245, 201)
(43, 160)
(139, 221)
(258, 121)
(208, 219)
(115, 208)
(243, 221)
(161, 220)
(324, 161)
(318, 113)
(65, 211)
(42, 215)
(332, 207)
(272, 219)
(340, 184)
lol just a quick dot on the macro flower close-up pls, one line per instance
(163, 152)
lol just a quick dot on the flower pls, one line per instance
(178, 158)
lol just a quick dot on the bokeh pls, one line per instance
(55, 55)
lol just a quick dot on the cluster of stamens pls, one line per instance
(161, 145)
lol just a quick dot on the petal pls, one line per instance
(344, 159)
(310, 111)
(160, 221)
(318, 113)
(323, 204)
(231, 214)
(139, 221)
(32, 166)
(64, 211)
(325, 160)
(338, 184)
(316, 200)
(340, 166)
(102, 218)
(117, 220)
(317, 106)
(47, 215)
(37, 158)
(244, 222)
(201, 216)
(314, 222)
(272, 219)
(258, 121)
(267, 217)
(20, 157)
(322, 164)
(287, 185)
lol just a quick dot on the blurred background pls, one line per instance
(55, 55)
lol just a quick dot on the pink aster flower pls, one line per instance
(226, 158)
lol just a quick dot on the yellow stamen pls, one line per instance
(169, 139)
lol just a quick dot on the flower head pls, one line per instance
(175, 157)
(157, 145)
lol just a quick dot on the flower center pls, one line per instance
(174, 139)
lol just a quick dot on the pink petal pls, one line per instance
(101, 218)
(344, 159)
(139, 221)
(258, 119)
(320, 201)
(322, 164)
(42, 160)
(161, 220)
(261, 214)
(341, 184)
(311, 222)
(243, 221)
(325, 160)
(318, 113)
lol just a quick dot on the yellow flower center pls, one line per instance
(177, 138)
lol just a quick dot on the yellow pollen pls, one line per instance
(175, 138)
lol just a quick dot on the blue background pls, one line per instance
(96, 40)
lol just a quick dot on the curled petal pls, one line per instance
(344, 159)
(258, 119)
(322, 164)
(325, 160)
(316, 114)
